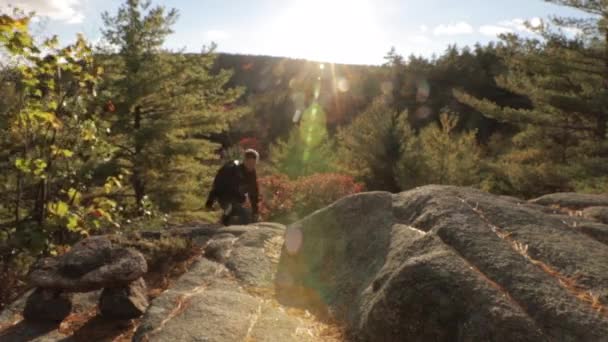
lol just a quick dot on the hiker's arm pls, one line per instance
(217, 185)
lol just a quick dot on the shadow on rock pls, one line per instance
(101, 329)
(26, 331)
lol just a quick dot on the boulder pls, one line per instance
(599, 214)
(91, 264)
(572, 200)
(448, 264)
(126, 302)
(47, 305)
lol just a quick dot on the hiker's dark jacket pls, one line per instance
(232, 183)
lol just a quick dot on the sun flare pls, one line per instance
(327, 30)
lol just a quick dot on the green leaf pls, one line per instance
(61, 151)
(89, 131)
(72, 223)
(23, 165)
(107, 188)
(74, 196)
(116, 182)
(39, 167)
(52, 105)
(62, 209)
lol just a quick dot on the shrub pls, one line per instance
(286, 200)
(277, 197)
(320, 190)
(13, 272)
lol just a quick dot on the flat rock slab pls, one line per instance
(91, 264)
(216, 301)
(572, 200)
(210, 305)
(450, 264)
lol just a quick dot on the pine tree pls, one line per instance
(448, 157)
(372, 147)
(562, 142)
(166, 107)
(307, 150)
(396, 70)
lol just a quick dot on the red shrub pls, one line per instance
(320, 190)
(277, 197)
(285, 199)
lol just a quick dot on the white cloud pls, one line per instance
(424, 28)
(216, 35)
(572, 31)
(511, 26)
(453, 29)
(69, 11)
(494, 30)
(519, 24)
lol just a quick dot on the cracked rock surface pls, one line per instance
(444, 263)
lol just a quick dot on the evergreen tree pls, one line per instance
(562, 142)
(449, 157)
(372, 147)
(395, 88)
(307, 150)
(166, 107)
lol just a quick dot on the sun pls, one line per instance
(338, 31)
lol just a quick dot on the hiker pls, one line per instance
(234, 182)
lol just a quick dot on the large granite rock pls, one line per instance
(432, 264)
(91, 264)
(449, 264)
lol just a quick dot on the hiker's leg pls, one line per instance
(243, 214)
(227, 213)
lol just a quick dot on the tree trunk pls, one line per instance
(137, 179)
(603, 115)
(139, 189)
(41, 199)
(18, 197)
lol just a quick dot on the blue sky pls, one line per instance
(345, 31)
